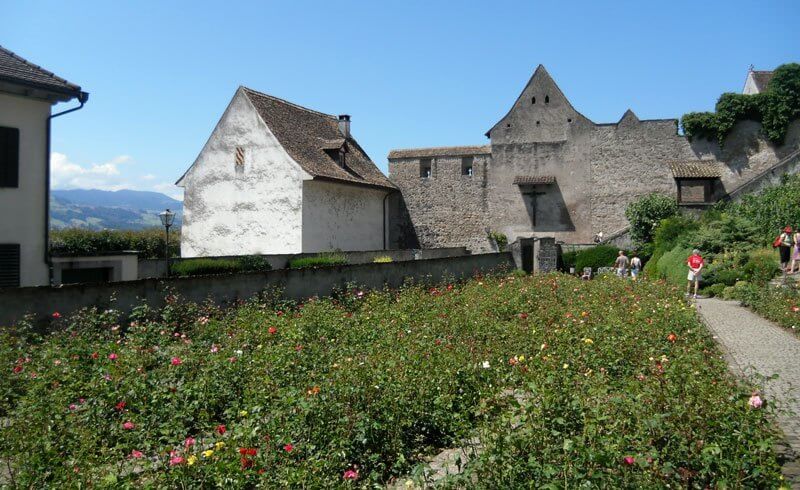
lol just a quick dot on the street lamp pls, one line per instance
(167, 217)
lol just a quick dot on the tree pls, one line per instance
(646, 213)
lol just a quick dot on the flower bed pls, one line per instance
(622, 387)
(778, 304)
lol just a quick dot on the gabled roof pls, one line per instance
(18, 71)
(305, 134)
(696, 170)
(441, 151)
(534, 179)
(761, 79)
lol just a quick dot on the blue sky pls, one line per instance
(411, 73)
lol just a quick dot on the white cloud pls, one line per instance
(112, 175)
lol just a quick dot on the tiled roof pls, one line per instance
(306, 134)
(534, 179)
(696, 170)
(761, 79)
(17, 70)
(441, 151)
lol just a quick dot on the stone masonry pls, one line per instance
(551, 172)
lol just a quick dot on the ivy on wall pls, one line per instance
(775, 108)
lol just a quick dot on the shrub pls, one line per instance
(646, 213)
(568, 259)
(254, 263)
(761, 266)
(713, 290)
(672, 231)
(382, 260)
(199, 267)
(778, 304)
(149, 242)
(321, 260)
(772, 209)
(700, 125)
(599, 256)
(499, 239)
(672, 265)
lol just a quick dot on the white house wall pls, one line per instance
(340, 216)
(255, 210)
(22, 218)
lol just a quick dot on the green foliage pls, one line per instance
(671, 231)
(672, 265)
(772, 209)
(700, 125)
(149, 242)
(254, 263)
(713, 290)
(321, 260)
(385, 259)
(730, 232)
(500, 239)
(377, 383)
(568, 259)
(775, 109)
(646, 213)
(599, 256)
(761, 266)
(199, 267)
(778, 304)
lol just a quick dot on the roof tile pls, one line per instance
(696, 170)
(441, 151)
(17, 70)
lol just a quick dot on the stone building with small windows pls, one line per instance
(549, 171)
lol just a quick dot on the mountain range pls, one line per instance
(119, 210)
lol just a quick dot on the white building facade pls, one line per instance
(278, 178)
(27, 94)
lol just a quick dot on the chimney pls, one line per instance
(344, 125)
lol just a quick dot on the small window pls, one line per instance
(537, 122)
(9, 157)
(533, 100)
(239, 156)
(9, 265)
(508, 125)
(546, 99)
(569, 120)
(425, 168)
(466, 166)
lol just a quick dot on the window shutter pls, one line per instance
(9, 157)
(9, 265)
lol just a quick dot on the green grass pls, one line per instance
(321, 260)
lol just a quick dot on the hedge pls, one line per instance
(148, 242)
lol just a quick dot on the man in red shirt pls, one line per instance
(695, 264)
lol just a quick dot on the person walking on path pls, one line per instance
(636, 266)
(795, 251)
(784, 244)
(621, 264)
(695, 263)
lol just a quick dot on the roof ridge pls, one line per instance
(284, 101)
(35, 66)
(440, 147)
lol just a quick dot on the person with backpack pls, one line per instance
(621, 264)
(783, 243)
(695, 263)
(636, 266)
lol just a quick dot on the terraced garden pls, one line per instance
(565, 383)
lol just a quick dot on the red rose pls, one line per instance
(221, 429)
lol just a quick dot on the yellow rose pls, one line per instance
(191, 460)
(588, 341)
(243, 413)
(207, 453)
(219, 445)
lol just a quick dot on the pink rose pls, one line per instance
(112, 356)
(288, 448)
(128, 425)
(176, 361)
(189, 442)
(72, 406)
(629, 460)
(350, 475)
(136, 454)
(176, 460)
(214, 348)
(755, 401)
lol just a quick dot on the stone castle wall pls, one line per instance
(598, 170)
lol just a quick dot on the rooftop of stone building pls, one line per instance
(697, 169)
(441, 151)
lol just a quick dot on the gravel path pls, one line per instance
(754, 346)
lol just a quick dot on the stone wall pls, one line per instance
(598, 169)
(224, 289)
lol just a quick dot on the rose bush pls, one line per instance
(566, 382)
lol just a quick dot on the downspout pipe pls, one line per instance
(385, 218)
(83, 97)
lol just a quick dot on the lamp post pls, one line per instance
(167, 217)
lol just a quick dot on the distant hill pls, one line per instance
(119, 210)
